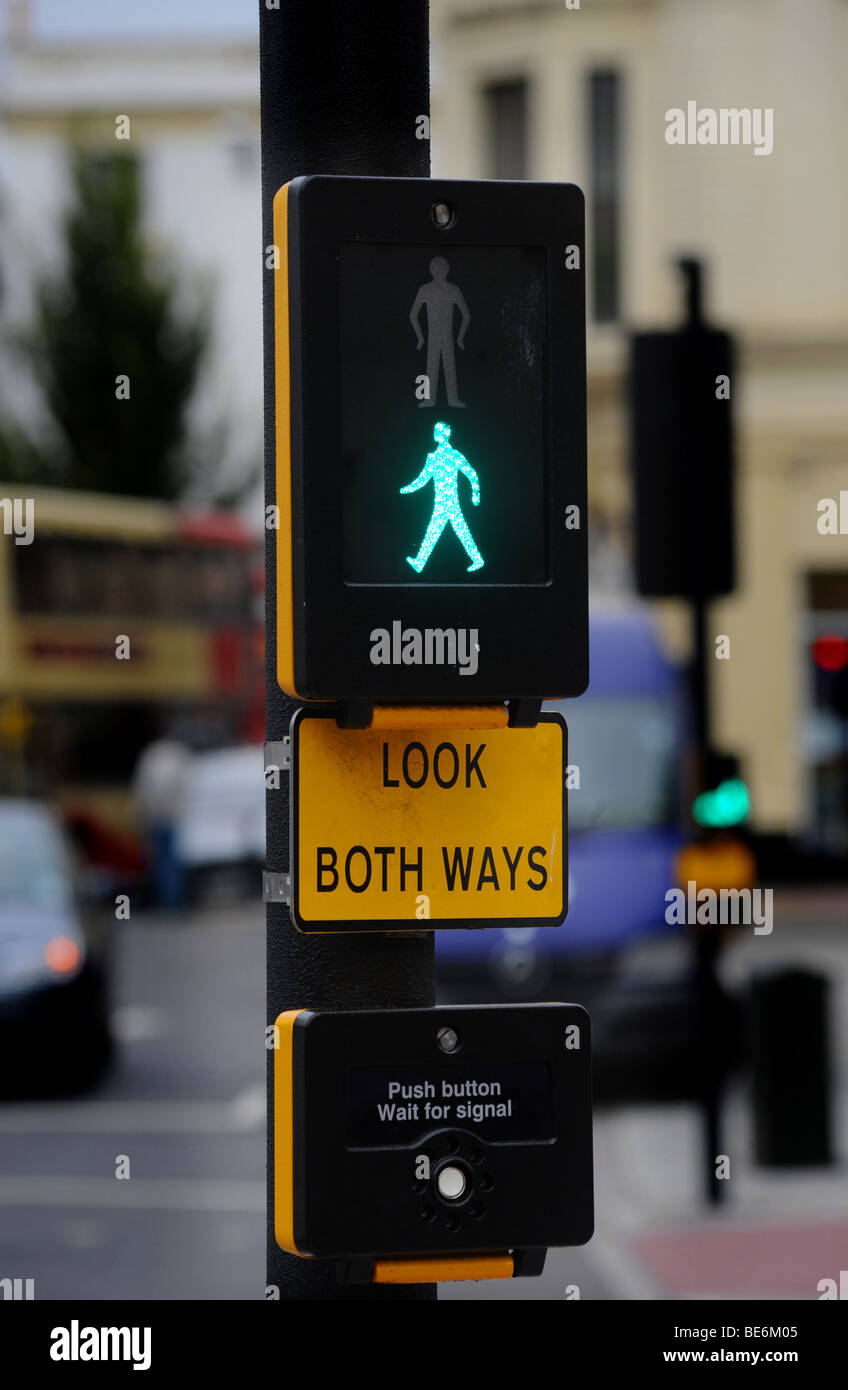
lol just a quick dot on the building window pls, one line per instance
(605, 192)
(507, 130)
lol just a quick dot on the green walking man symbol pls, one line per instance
(444, 466)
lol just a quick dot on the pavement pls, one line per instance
(183, 1112)
(185, 1106)
(777, 1232)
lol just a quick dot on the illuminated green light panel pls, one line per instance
(728, 805)
(444, 466)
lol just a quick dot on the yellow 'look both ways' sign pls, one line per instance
(422, 828)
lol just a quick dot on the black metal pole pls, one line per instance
(701, 688)
(342, 86)
(706, 941)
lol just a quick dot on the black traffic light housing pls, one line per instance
(431, 444)
(681, 394)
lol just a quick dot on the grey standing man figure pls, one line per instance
(440, 298)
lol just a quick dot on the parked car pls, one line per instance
(222, 824)
(54, 1015)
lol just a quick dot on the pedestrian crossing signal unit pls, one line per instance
(430, 388)
(424, 1144)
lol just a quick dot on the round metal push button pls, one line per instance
(451, 1183)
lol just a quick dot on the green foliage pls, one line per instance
(112, 312)
(20, 460)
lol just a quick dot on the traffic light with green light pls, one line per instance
(725, 801)
(727, 805)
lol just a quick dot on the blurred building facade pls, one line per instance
(544, 90)
(539, 89)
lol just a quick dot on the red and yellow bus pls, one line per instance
(121, 621)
